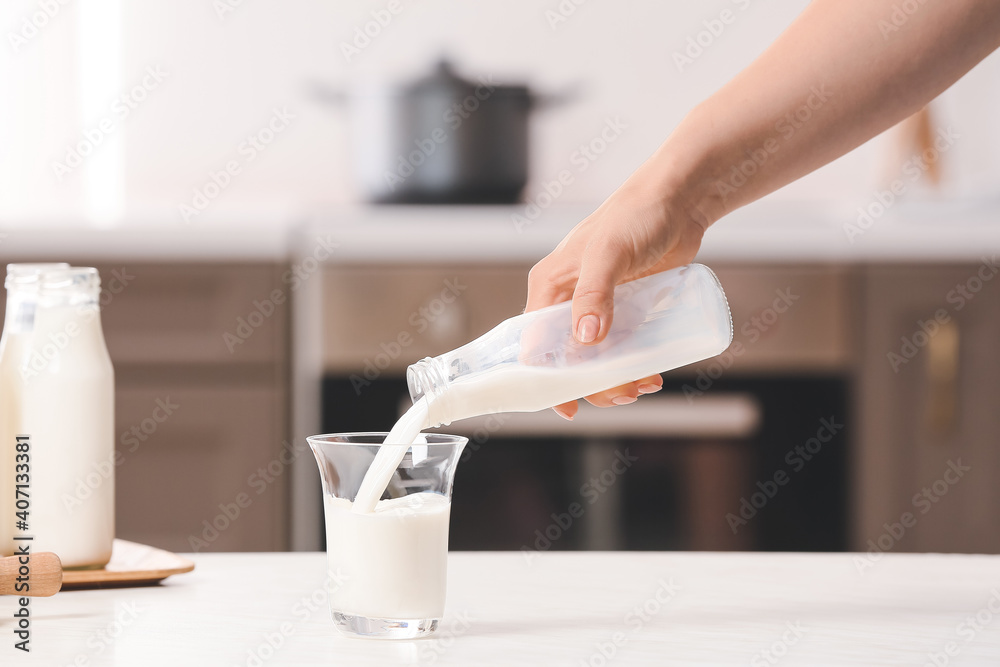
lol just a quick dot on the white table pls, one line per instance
(557, 609)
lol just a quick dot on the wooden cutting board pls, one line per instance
(131, 565)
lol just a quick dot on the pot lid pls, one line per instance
(444, 80)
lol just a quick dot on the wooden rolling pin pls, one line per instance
(45, 576)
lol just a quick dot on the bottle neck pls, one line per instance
(82, 299)
(34, 286)
(20, 313)
(428, 380)
(24, 302)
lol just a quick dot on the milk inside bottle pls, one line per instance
(57, 388)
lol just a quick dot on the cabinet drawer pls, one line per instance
(185, 449)
(391, 316)
(927, 407)
(180, 313)
(788, 320)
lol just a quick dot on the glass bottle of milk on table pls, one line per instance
(56, 396)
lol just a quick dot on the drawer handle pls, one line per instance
(942, 379)
(667, 415)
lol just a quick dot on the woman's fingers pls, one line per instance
(650, 385)
(567, 410)
(623, 395)
(602, 268)
(626, 393)
(549, 282)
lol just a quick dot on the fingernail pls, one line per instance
(588, 328)
(622, 400)
(649, 388)
(562, 413)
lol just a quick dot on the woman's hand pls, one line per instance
(633, 234)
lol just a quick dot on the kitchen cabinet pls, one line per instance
(928, 454)
(180, 314)
(386, 317)
(211, 339)
(788, 319)
(207, 477)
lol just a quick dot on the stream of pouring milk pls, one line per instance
(389, 456)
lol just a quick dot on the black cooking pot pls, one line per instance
(442, 139)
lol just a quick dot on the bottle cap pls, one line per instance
(70, 278)
(21, 275)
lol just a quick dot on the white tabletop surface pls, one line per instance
(552, 609)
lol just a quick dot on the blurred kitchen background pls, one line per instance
(220, 161)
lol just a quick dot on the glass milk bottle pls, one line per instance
(532, 361)
(57, 387)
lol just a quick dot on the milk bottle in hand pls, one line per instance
(532, 362)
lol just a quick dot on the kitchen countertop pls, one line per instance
(219, 241)
(773, 232)
(548, 609)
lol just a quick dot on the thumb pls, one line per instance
(594, 296)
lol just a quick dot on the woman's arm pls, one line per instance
(858, 66)
(843, 72)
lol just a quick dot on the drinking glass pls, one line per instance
(387, 568)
